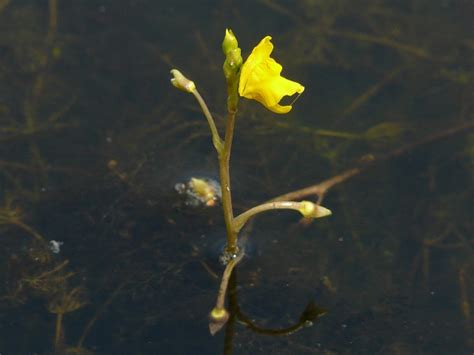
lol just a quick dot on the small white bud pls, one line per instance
(181, 82)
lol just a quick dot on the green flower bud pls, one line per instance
(310, 210)
(181, 82)
(230, 42)
(232, 63)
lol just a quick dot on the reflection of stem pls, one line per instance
(216, 139)
(309, 315)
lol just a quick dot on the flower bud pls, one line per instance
(217, 319)
(232, 63)
(230, 42)
(310, 210)
(181, 82)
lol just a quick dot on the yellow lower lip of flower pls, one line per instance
(260, 79)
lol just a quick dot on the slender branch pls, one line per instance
(306, 208)
(216, 139)
(321, 188)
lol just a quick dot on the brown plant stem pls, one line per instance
(216, 140)
(58, 333)
(241, 219)
(224, 159)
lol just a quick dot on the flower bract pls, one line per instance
(260, 79)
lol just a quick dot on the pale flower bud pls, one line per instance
(310, 210)
(181, 82)
(217, 319)
(230, 42)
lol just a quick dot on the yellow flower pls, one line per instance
(260, 79)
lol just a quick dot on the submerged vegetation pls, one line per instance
(101, 255)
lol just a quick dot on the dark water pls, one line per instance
(93, 139)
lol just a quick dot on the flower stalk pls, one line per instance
(307, 208)
(182, 83)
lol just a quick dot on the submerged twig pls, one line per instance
(320, 189)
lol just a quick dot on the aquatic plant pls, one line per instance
(258, 78)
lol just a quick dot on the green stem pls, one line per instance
(216, 139)
(224, 159)
(241, 219)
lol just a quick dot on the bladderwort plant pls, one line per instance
(258, 78)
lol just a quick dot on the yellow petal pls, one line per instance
(260, 79)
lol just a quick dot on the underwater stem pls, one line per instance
(58, 332)
(27, 229)
(53, 20)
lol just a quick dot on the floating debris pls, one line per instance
(55, 246)
(200, 192)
